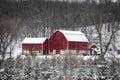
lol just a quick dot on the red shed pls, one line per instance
(92, 49)
(35, 45)
(70, 41)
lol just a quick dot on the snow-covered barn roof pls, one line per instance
(34, 40)
(74, 36)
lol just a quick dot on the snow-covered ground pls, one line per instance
(113, 56)
(17, 51)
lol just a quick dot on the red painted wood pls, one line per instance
(93, 46)
(57, 42)
(33, 46)
(38, 47)
(78, 45)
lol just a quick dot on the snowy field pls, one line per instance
(59, 67)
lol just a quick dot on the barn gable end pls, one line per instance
(57, 42)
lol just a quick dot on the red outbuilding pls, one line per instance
(35, 46)
(70, 41)
(92, 49)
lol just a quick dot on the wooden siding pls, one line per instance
(32, 46)
(57, 42)
(78, 45)
(41, 47)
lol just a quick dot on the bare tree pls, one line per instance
(9, 30)
(105, 37)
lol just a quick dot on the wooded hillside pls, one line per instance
(37, 16)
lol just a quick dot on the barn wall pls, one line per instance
(32, 46)
(57, 42)
(78, 45)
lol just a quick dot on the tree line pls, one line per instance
(55, 14)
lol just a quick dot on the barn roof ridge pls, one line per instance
(77, 36)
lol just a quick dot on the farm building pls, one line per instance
(63, 42)
(92, 49)
(35, 46)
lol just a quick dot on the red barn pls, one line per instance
(70, 41)
(35, 46)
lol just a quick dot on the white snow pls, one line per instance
(34, 40)
(44, 56)
(17, 52)
(74, 36)
(2, 70)
(113, 55)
